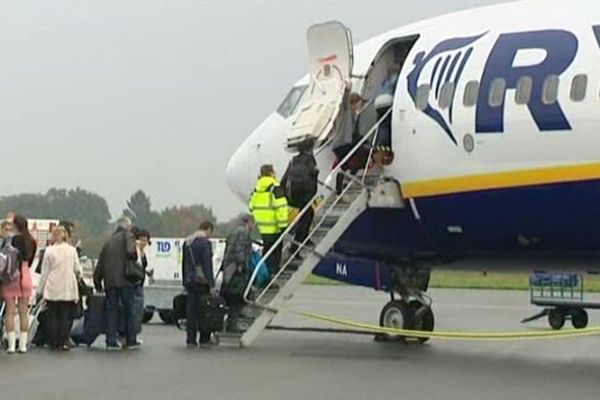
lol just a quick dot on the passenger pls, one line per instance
(16, 294)
(300, 182)
(268, 205)
(383, 101)
(199, 281)
(235, 267)
(110, 276)
(58, 287)
(346, 139)
(142, 240)
(5, 231)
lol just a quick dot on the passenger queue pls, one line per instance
(116, 307)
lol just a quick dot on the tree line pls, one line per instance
(93, 220)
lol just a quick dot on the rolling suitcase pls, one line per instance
(213, 310)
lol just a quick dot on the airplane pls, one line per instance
(494, 135)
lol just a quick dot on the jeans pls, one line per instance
(194, 295)
(125, 297)
(138, 304)
(58, 322)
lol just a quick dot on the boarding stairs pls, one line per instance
(335, 213)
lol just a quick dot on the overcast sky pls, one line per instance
(119, 95)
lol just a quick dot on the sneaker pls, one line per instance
(192, 346)
(113, 347)
(206, 345)
(134, 346)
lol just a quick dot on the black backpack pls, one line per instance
(301, 180)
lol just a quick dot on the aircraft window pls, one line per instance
(550, 93)
(579, 88)
(423, 96)
(497, 91)
(447, 95)
(523, 92)
(291, 101)
(471, 94)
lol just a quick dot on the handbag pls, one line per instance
(134, 271)
(199, 276)
(236, 286)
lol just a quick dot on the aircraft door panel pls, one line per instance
(330, 66)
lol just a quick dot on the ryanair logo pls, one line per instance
(444, 63)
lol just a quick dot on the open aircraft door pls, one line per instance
(330, 55)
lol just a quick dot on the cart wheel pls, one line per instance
(580, 319)
(556, 319)
(147, 315)
(166, 316)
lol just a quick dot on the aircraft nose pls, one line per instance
(237, 173)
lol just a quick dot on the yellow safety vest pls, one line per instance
(269, 207)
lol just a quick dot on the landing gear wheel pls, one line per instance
(396, 315)
(424, 319)
(580, 319)
(147, 315)
(556, 319)
(166, 316)
(180, 323)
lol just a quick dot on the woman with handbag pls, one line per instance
(17, 293)
(138, 277)
(59, 288)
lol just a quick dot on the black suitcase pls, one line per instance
(213, 310)
(94, 319)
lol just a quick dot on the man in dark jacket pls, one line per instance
(198, 279)
(300, 182)
(236, 260)
(110, 276)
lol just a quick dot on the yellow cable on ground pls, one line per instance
(470, 336)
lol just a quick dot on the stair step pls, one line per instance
(229, 337)
(330, 221)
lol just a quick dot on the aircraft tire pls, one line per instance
(556, 319)
(399, 315)
(426, 322)
(580, 319)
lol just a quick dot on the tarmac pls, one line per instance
(289, 365)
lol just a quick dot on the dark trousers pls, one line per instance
(58, 322)
(274, 260)
(384, 135)
(341, 153)
(194, 295)
(234, 306)
(303, 227)
(138, 304)
(125, 297)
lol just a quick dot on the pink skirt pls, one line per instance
(21, 288)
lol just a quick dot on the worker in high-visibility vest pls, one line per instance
(269, 208)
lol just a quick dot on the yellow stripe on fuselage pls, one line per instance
(501, 180)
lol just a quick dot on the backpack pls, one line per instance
(262, 276)
(301, 182)
(9, 262)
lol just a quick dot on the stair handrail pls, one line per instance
(373, 132)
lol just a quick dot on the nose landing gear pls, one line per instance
(412, 312)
